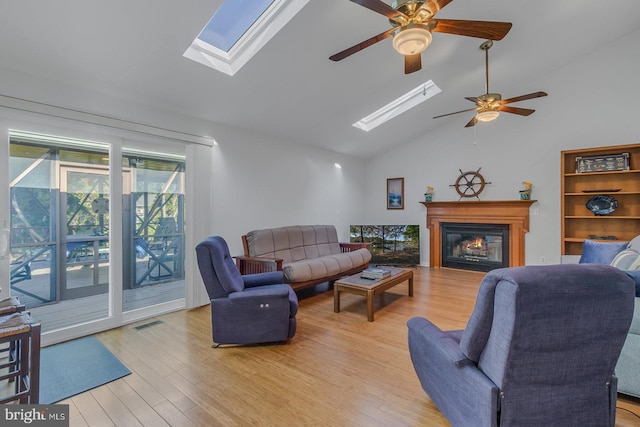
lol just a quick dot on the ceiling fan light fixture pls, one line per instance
(412, 39)
(488, 115)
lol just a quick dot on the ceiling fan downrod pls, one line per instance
(486, 46)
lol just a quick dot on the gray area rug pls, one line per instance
(76, 366)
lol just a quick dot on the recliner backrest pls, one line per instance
(549, 329)
(219, 273)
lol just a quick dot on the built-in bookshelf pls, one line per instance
(612, 171)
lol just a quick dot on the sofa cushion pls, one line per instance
(627, 259)
(634, 244)
(317, 268)
(294, 243)
(594, 252)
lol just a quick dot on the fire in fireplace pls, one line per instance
(479, 247)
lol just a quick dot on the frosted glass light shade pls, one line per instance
(412, 40)
(487, 116)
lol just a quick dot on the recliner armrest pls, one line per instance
(280, 291)
(261, 279)
(445, 344)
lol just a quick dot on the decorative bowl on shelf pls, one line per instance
(602, 204)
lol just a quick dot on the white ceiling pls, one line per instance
(291, 90)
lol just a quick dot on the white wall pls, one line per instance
(592, 102)
(260, 182)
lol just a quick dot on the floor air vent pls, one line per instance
(148, 325)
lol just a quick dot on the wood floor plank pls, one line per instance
(339, 369)
(75, 417)
(147, 415)
(91, 411)
(162, 386)
(114, 408)
(173, 416)
(144, 389)
(120, 388)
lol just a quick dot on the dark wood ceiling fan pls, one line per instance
(413, 22)
(489, 105)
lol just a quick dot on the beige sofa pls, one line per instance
(306, 254)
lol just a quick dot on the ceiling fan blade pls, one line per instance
(523, 97)
(382, 8)
(481, 29)
(357, 48)
(472, 99)
(449, 114)
(472, 122)
(412, 63)
(516, 110)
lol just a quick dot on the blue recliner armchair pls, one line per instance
(250, 309)
(539, 349)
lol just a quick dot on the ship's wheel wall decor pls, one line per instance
(469, 184)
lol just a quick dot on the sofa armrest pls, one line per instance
(254, 265)
(635, 275)
(349, 247)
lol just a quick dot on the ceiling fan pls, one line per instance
(489, 105)
(413, 22)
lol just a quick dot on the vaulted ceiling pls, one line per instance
(290, 90)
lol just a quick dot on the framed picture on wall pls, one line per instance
(395, 193)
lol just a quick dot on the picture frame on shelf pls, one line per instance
(395, 193)
(605, 163)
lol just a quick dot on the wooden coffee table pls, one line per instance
(370, 288)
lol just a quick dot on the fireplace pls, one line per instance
(511, 213)
(478, 247)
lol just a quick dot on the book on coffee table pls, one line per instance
(375, 273)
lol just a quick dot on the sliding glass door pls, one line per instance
(62, 221)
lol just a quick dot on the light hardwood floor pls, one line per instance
(339, 369)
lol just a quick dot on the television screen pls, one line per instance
(390, 244)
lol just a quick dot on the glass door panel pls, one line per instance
(153, 228)
(84, 197)
(59, 191)
(33, 201)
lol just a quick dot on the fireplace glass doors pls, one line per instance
(479, 247)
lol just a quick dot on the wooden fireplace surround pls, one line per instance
(514, 213)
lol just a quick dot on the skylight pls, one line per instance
(238, 30)
(398, 106)
(231, 21)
